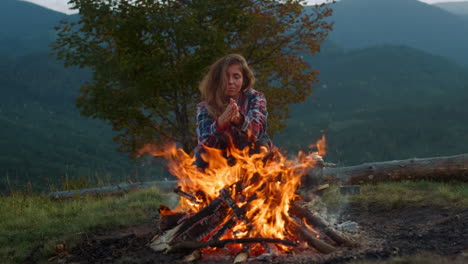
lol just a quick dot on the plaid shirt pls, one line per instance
(252, 105)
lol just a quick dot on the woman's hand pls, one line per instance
(231, 113)
(237, 118)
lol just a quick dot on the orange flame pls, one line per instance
(268, 178)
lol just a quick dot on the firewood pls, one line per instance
(169, 219)
(190, 197)
(305, 233)
(206, 219)
(162, 242)
(185, 245)
(322, 225)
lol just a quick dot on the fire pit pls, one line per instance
(249, 209)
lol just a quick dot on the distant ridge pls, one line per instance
(382, 103)
(26, 27)
(364, 23)
(458, 8)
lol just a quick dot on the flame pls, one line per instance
(267, 180)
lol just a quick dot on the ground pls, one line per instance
(382, 234)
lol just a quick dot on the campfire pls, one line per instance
(248, 208)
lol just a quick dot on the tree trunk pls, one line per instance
(435, 169)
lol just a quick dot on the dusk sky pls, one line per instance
(61, 5)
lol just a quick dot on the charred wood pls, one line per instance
(305, 233)
(193, 199)
(169, 219)
(322, 225)
(185, 245)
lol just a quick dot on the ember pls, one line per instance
(250, 205)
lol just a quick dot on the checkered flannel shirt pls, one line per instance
(252, 105)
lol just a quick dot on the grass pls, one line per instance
(397, 195)
(31, 226)
(415, 194)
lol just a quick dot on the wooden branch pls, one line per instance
(435, 169)
(319, 223)
(307, 235)
(183, 245)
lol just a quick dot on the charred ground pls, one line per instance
(382, 233)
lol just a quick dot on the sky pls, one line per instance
(61, 5)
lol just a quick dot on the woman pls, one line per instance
(232, 113)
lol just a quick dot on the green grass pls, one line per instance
(31, 226)
(396, 195)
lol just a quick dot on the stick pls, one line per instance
(221, 243)
(319, 223)
(321, 246)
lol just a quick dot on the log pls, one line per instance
(322, 225)
(310, 238)
(184, 245)
(442, 169)
(112, 190)
(436, 169)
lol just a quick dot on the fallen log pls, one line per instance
(435, 169)
(118, 189)
(442, 169)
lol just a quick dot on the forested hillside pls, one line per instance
(383, 103)
(374, 103)
(45, 141)
(364, 23)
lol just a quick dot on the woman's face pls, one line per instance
(235, 80)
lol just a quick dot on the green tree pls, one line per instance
(147, 58)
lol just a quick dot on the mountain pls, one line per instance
(383, 103)
(27, 27)
(374, 103)
(458, 8)
(44, 140)
(364, 23)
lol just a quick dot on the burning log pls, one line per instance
(319, 223)
(435, 169)
(311, 238)
(185, 245)
(247, 202)
(204, 228)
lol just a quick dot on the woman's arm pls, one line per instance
(255, 120)
(208, 132)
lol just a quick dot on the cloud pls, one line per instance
(62, 6)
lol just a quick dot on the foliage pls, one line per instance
(46, 143)
(382, 103)
(147, 58)
(31, 226)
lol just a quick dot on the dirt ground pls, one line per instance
(382, 234)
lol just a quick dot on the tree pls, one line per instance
(147, 58)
